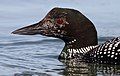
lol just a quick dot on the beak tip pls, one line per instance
(14, 32)
(21, 32)
(28, 30)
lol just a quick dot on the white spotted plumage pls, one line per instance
(106, 52)
(74, 52)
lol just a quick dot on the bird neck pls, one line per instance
(69, 52)
(75, 47)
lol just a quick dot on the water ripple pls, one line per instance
(29, 42)
(29, 73)
(40, 56)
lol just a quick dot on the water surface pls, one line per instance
(37, 55)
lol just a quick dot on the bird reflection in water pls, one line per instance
(79, 68)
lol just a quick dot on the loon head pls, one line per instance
(67, 24)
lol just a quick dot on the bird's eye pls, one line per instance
(59, 21)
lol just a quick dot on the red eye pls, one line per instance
(59, 21)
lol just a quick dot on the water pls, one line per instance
(37, 55)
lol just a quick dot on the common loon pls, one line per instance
(79, 35)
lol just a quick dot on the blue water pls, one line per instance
(37, 55)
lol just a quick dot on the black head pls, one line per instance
(67, 24)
